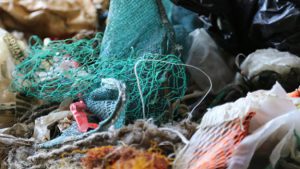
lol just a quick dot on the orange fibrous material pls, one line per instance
(109, 157)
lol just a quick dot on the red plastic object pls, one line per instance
(78, 110)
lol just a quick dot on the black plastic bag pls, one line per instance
(277, 24)
(227, 21)
(246, 25)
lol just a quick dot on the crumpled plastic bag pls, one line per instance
(227, 21)
(276, 24)
(272, 131)
(267, 105)
(49, 18)
(262, 68)
(276, 136)
(243, 25)
(292, 161)
(205, 54)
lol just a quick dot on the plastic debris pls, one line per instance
(42, 124)
(124, 99)
(244, 26)
(212, 146)
(275, 24)
(264, 67)
(50, 18)
(205, 54)
(81, 118)
(208, 145)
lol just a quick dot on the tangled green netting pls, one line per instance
(72, 68)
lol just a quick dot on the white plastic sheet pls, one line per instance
(277, 135)
(267, 104)
(269, 59)
(205, 54)
(272, 131)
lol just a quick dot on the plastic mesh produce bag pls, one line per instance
(223, 130)
(212, 146)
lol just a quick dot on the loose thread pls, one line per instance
(177, 64)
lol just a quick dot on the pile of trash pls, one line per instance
(149, 84)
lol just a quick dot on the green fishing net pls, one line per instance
(56, 72)
(142, 25)
(136, 30)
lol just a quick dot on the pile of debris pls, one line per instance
(149, 84)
